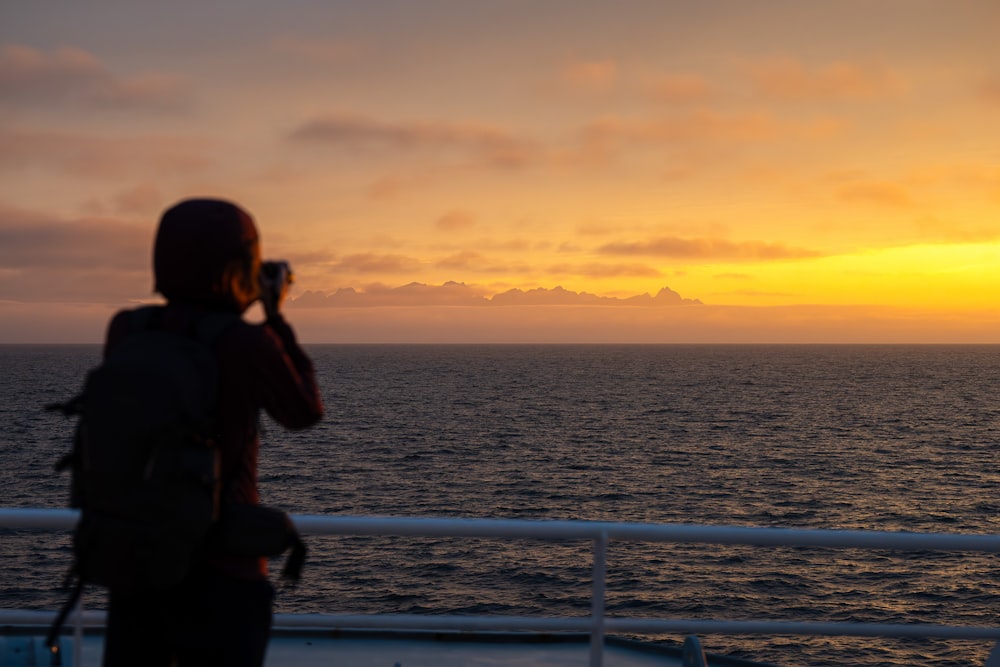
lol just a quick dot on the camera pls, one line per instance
(275, 276)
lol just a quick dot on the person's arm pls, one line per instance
(289, 392)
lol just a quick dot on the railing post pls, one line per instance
(78, 633)
(597, 599)
(993, 660)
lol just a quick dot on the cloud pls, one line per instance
(357, 133)
(882, 194)
(786, 78)
(453, 221)
(707, 249)
(680, 89)
(32, 240)
(30, 75)
(374, 263)
(386, 188)
(989, 90)
(96, 157)
(68, 75)
(924, 184)
(596, 270)
(590, 76)
(603, 137)
(470, 261)
(142, 200)
(322, 51)
(700, 124)
(44, 258)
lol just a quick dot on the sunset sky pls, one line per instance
(511, 171)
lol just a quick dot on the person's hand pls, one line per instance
(275, 279)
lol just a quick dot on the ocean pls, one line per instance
(897, 438)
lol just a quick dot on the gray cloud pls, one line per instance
(707, 249)
(43, 258)
(596, 270)
(374, 263)
(471, 261)
(356, 132)
(33, 241)
(29, 76)
(96, 157)
(786, 78)
(323, 52)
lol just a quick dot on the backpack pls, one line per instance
(145, 467)
(145, 464)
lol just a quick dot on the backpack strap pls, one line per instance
(52, 641)
(206, 328)
(145, 317)
(296, 559)
(212, 325)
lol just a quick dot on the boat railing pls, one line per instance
(600, 534)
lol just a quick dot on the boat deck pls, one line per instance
(386, 650)
(25, 646)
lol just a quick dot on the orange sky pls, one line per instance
(464, 172)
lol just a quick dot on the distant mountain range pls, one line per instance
(460, 294)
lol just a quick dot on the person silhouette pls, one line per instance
(206, 258)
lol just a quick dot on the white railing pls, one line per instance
(601, 534)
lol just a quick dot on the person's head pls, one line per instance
(207, 251)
